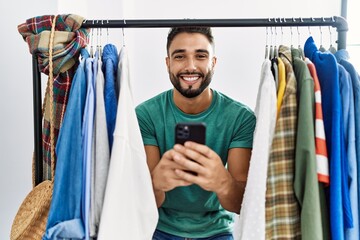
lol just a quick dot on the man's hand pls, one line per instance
(211, 174)
(163, 175)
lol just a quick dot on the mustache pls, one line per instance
(190, 73)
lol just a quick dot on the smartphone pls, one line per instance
(190, 131)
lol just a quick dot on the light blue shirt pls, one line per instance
(353, 141)
(347, 164)
(88, 123)
(65, 219)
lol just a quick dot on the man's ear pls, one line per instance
(167, 60)
(213, 62)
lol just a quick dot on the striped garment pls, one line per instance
(68, 40)
(322, 160)
(282, 208)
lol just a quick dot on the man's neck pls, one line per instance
(193, 105)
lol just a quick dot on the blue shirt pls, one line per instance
(88, 127)
(328, 75)
(65, 220)
(354, 97)
(344, 83)
(110, 63)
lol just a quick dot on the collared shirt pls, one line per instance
(251, 223)
(65, 215)
(282, 209)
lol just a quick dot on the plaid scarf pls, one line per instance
(68, 40)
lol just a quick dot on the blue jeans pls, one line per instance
(159, 235)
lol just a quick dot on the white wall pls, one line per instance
(240, 53)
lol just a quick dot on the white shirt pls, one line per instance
(129, 210)
(251, 222)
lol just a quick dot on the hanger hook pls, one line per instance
(266, 42)
(321, 36)
(107, 32)
(123, 32)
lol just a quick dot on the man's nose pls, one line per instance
(190, 65)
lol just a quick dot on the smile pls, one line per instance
(190, 78)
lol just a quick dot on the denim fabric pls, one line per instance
(65, 218)
(110, 63)
(159, 235)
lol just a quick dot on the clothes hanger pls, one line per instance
(266, 44)
(123, 33)
(107, 33)
(321, 48)
(92, 41)
(275, 49)
(271, 51)
(332, 49)
(302, 56)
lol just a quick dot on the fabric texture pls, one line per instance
(133, 215)
(343, 58)
(282, 209)
(87, 140)
(281, 85)
(328, 74)
(110, 59)
(347, 100)
(306, 181)
(65, 218)
(322, 161)
(68, 40)
(251, 223)
(101, 155)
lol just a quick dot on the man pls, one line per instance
(200, 205)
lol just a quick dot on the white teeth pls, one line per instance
(190, 78)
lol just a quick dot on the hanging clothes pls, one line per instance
(110, 60)
(347, 100)
(65, 215)
(101, 155)
(282, 210)
(282, 84)
(129, 210)
(68, 40)
(342, 57)
(328, 74)
(322, 163)
(251, 223)
(88, 128)
(305, 181)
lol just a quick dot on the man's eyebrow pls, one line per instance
(183, 50)
(177, 51)
(202, 51)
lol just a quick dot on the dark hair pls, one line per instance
(206, 31)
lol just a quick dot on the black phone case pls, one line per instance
(192, 131)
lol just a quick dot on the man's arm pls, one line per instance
(231, 196)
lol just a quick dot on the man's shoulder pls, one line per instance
(230, 102)
(154, 101)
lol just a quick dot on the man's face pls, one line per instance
(190, 63)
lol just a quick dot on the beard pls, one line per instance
(190, 92)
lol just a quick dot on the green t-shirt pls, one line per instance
(191, 211)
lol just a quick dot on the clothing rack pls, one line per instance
(336, 21)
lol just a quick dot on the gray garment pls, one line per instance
(101, 156)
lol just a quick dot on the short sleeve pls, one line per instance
(244, 130)
(146, 126)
